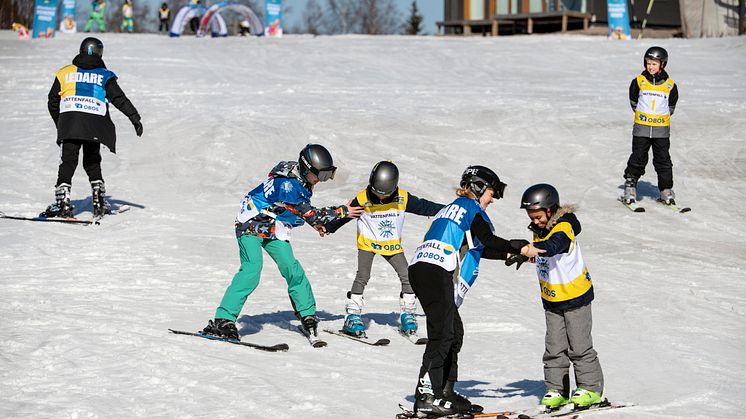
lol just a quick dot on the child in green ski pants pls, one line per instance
(267, 214)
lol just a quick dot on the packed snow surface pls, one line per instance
(85, 310)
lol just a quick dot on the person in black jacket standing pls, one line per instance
(79, 105)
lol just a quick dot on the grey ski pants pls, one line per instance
(365, 263)
(568, 340)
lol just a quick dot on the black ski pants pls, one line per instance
(661, 160)
(69, 160)
(433, 286)
(163, 26)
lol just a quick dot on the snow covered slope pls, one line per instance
(85, 310)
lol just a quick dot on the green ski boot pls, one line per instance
(585, 398)
(554, 400)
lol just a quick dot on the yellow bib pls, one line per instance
(379, 228)
(652, 105)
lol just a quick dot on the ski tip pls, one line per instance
(381, 342)
(319, 344)
(281, 347)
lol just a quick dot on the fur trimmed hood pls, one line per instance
(564, 213)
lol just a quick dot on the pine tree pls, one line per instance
(414, 23)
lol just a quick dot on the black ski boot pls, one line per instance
(461, 403)
(101, 206)
(310, 323)
(427, 406)
(223, 328)
(61, 207)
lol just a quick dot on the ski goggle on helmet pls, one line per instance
(479, 178)
(316, 159)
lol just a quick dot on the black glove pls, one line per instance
(517, 244)
(135, 119)
(519, 259)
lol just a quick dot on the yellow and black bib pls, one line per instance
(379, 228)
(563, 276)
(83, 90)
(652, 105)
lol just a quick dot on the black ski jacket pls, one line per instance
(84, 126)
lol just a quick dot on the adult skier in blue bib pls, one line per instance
(459, 237)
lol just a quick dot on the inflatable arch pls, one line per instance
(186, 14)
(212, 19)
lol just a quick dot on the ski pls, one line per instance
(119, 210)
(315, 341)
(675, 207)
(364, 339)
(68, 220)
(407, 414)
(280, 347)
(414, 338)
(580, 412)
(632, 206)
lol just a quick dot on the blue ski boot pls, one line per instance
(353, 322)
(408, 323)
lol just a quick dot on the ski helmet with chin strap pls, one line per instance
(656, 53)
(316, 159)
(92, 46)
(384, 179)
(478, 178)
(541, 196)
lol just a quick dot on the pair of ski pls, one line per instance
(95, 220)
(315, 341)
(634, 206)
(562, 413)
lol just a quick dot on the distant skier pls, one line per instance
(127, 16)
(266, 216)
(459, 237)
(379, 231)
(97, 15)
(653, 96)
(164, 16)
(567, 293)
(79, 105)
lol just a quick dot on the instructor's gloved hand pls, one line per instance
(135, 119)
(517, 244)
(518, 259)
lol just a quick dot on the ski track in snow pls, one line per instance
(85, 310)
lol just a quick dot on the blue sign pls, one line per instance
(67, 23)
(618, 20)
(45, 18)
(273, 13)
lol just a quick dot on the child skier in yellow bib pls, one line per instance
(653, 96)
(567, 293)
(379, 232)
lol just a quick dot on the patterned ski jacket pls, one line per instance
(279, 204)
(564, 280)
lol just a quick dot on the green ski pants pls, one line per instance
(247, 278)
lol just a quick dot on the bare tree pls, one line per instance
(379, 17)
(313, 18)
(20, 11)
(344, 16)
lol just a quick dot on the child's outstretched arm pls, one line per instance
(336, 224)
(495, 247)
(315, 216)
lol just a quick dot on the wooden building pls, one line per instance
(504, 17)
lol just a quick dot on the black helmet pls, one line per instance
(316, 159)
(92, 46)
(384, 178)
(656, 53)
(478, 178)
(541, 196)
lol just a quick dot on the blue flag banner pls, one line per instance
(273, 13)
(618, 20)
(67, 23)
(45, 18)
